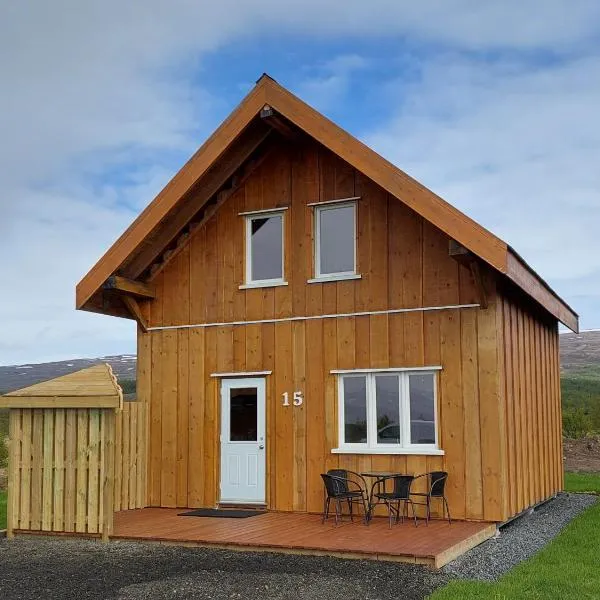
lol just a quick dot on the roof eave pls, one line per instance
(521, 273)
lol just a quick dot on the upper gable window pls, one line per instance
(264, 248)
(335, 240)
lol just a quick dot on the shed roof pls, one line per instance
(166, 215)
(93, 387)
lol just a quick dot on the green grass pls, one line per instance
(569, 567)
(2, 510)
(582, 482)
(581, 400)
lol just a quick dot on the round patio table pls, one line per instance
(376, 475)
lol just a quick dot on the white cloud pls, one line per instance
(90, 88)
(515, 147)
(327, 83)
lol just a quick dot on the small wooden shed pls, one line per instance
(61, 474)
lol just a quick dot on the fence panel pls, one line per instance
(130, 457)
(58, 476)
(70, 469)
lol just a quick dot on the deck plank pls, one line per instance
(434, 544)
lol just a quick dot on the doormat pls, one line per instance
(222, 513)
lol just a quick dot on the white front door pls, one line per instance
(243, 440)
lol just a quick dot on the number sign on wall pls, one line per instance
(297, 399)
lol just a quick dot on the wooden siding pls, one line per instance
(533, 405)
(230, 145)
(404, 263)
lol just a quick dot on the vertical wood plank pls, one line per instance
(510, 406)
(25, 475)
(14, 469)
(133, 453)
(155, 433)
(472, 419)
(299, 415)
(37, 452)
(316, 446)
(183, 402)
(70, 468)
(281, 427)
(108, 428)
(125, 436)
(211, 420)
(144, 392)
(93, 499)
(514, 350)
(269, 352)
(196, 461)
(59, 471)
(492, 418)
(168, 478)
(82, 469)
(119, 476)
(141, 465)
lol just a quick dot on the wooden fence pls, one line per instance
(130, 457)
(71, 468)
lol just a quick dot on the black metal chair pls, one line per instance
(344, 486)
(436, 485)
(399, 494)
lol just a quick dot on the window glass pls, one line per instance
(355, 410)
(243, 415)
(336, 240)
(388, 410)
(422, 409)
(387, 398)
(266, 248)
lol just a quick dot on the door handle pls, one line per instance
(261, 447)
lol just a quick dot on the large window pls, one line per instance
(335, 240)
(264, 249)
(388, 411)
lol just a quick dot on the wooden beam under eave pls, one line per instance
(279, 123)
(130, 286)
(136, 312)
(211, 182)
(479, 282)
(210, 210)
(459, 253)
(465, 257)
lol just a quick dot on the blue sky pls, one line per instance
(492, 105)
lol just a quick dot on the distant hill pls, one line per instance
(19, 376)
(580, 351)
(580, 382)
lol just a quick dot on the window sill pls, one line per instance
(398, 451)
(262, 284)
(341, 277)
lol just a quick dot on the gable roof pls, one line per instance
(220, 147)
(95, 387)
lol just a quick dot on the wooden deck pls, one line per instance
(434, 545)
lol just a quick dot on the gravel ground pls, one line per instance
(520, 539)
(49, 568)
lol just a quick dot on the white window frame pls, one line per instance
(371, 446)
(317, 210)
(253, 216)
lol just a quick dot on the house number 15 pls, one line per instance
(297, 400)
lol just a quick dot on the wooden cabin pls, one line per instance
(303, 304)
